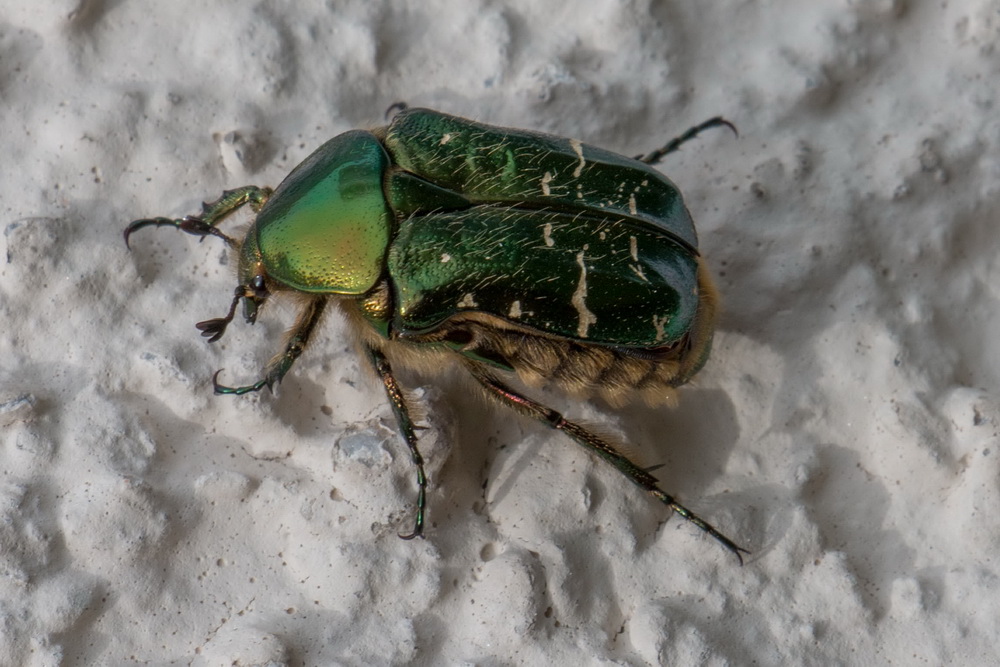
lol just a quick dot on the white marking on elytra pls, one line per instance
(468, 301)
(631, 204)
(547, 235)
(579, 299)
(546, 179)
(659, 323)
(633, 248)
(638, 271)
(515, 310)
(445, 258)
(578, 149)
(445, 138)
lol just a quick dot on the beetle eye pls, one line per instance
(257, 289)
(255, 294)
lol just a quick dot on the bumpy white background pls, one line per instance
(845, 428)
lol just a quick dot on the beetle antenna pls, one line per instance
(213, 329)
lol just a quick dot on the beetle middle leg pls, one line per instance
(676, 142)
(295, 343)
(407, 429)
(602, 448)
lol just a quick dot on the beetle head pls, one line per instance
(253, 277)
(253, 290)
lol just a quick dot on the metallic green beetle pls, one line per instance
(506, 250)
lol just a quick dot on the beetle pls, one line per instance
(508, 251)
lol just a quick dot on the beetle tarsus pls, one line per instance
(708, 528)
(676, 142)
(211, 214)
(238, 391)
(406, 428)
(189, 224)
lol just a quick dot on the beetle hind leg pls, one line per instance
(605, 450)
(407, 429)
(675, 143)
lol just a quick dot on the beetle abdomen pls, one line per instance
(617, 374)
(585, 370)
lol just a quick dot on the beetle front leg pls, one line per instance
(582, 436)
(676, 142)
(295, 344)
(211, 214)
(406, 428)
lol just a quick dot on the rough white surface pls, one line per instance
(845, 429)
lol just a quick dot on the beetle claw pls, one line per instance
(395, 107)
(410, 536)
(219, 389)
(146, 222)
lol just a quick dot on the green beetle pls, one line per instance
(505, 250)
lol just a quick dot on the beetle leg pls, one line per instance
(280, 364)
(675, 143)
(231, 200)
(639, 477)
(211, 214)
(395, 108)
(407, 429)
